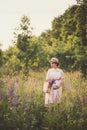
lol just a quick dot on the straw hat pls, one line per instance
(53, 59)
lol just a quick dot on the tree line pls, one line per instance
(67, 40)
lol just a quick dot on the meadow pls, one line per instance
(22, 103)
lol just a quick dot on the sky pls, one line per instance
(40, 12)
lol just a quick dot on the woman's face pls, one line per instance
(53, 64)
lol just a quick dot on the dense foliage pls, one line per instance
(67, 40)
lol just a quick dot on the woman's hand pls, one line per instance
(51, 81)
(58, 78)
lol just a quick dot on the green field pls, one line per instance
(22, 104)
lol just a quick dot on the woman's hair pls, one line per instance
(57, 64)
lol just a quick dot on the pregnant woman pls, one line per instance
(55, 77)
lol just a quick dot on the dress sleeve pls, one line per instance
(62, 78)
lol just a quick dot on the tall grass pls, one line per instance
(22, 103)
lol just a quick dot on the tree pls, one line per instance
(81, 33)
(30, 50)
(23, 35)
(81, 1)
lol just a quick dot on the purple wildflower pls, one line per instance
(11, 92)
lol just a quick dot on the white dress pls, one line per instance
(55, 94)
